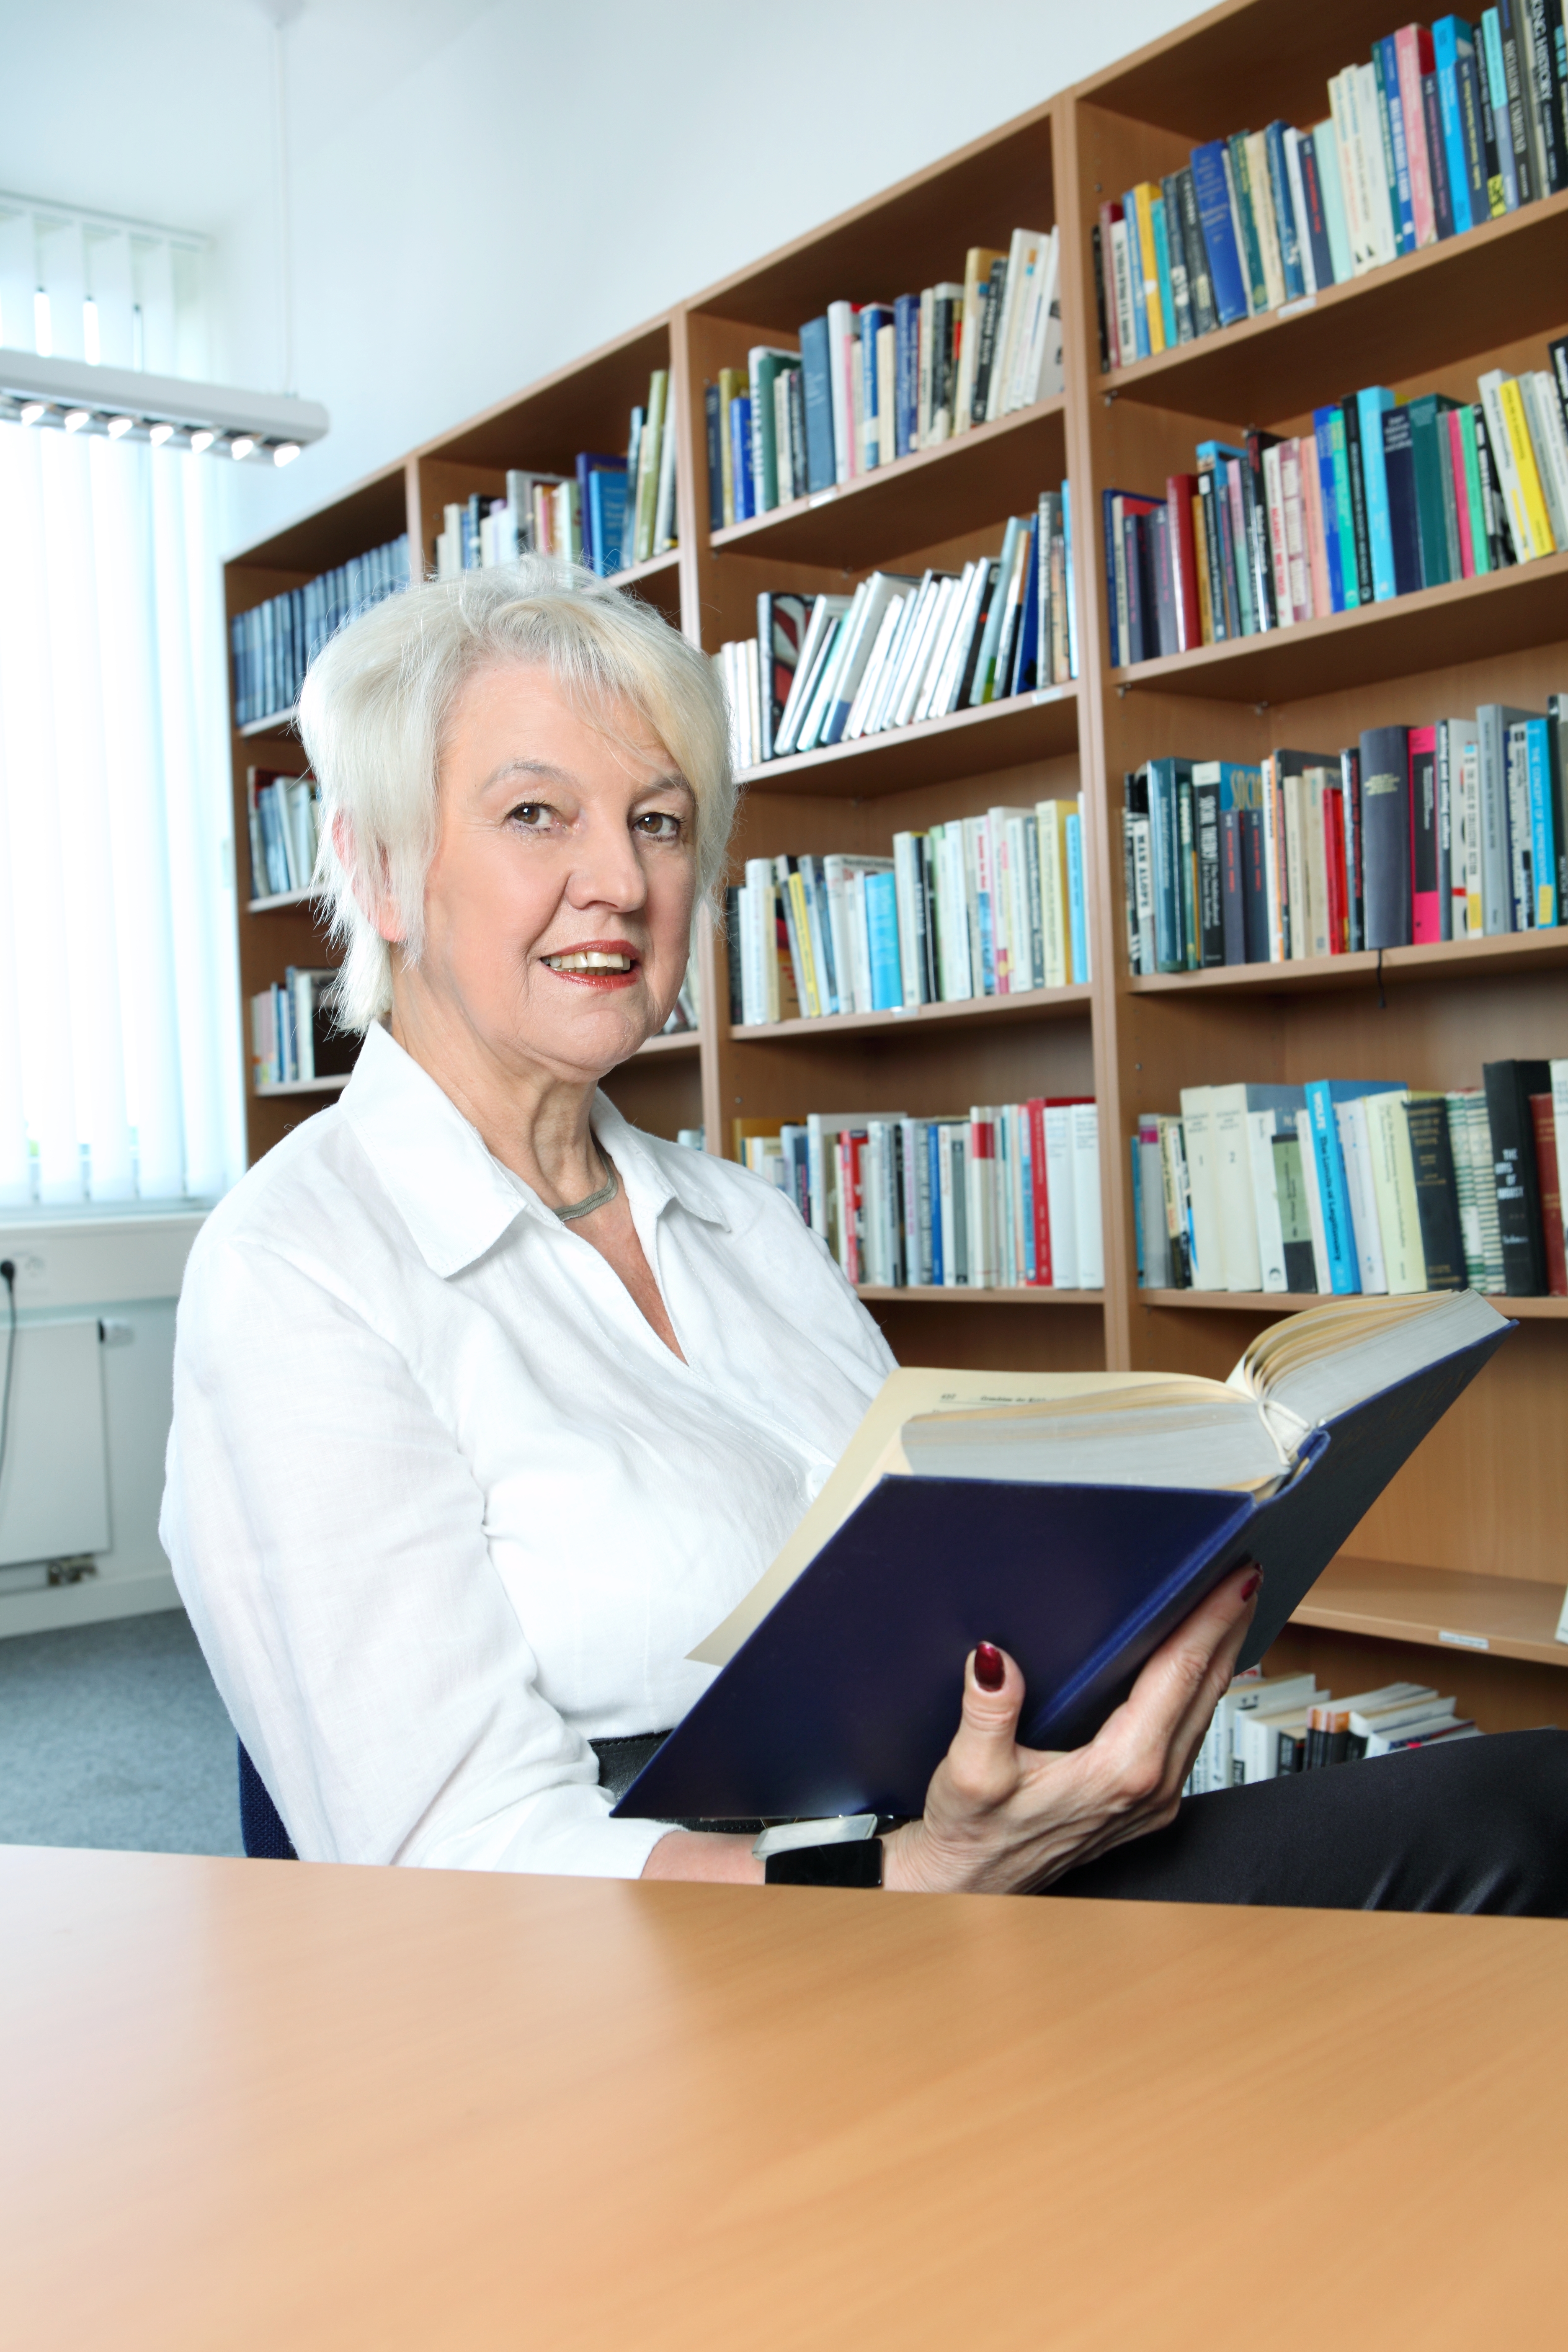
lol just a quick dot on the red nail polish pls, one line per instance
(990, 1668)
(1253, 1582)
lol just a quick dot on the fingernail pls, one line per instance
(990, 1668)
(1253, 1582)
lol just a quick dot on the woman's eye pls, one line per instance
(659, 825)
(532, 815)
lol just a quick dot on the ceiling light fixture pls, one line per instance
(201, 439)
(159, 433)
(118, 424)
(77, 418)
(40, 389)
(284, 453)
(241, 445)
(32, 410)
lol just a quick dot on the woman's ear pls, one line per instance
(376, 905)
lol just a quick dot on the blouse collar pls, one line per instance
(456, 1199)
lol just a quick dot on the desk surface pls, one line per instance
(261, 2105)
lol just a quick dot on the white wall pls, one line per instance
(549, 176)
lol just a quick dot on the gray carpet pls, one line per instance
(114, 1736)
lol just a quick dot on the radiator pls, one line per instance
(54, 1483)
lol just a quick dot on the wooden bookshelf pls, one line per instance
(1469, 1538)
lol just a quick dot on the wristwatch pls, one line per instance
(846, 1850)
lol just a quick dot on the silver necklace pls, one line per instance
(606, 1192)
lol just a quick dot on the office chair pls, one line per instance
(261, 1829)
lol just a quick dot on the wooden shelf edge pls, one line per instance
(680, 1041)
(1024, 1294)
(1147, 379)
(277, 722)
(751, 536)
(796, 766)
(654, 569)
(303, 1086)
(1460, 959)
(284, 898)
(910, 1016)
(1288, 1302)
(1481, 1616)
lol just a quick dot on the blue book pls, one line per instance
(1371, 405)
(1162, 265)
(1077, 909)
(1315, 228)
(1330, 182)
(907, 408)
(1238, 177)
(1135, 271)
(1404, 509)
(1164, 851)
(1451, 37)
(1542, 831)
(1219, 232)
(740, 458)
(843, 1697)
(815, 370)
(606, 507)
(1390, 122)
(712, 418)
(934, 1187)
(1333, 1186)
(1072, 597)
(1324, 420)
(1137, 1207)
(1025, 642)
(1290, 231)
(1496, 82)
(882, 935)
(874, 317)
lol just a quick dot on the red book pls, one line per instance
(1550, 1195)
(1449, 421)
(1038, 1204)
(1180, 489)
(1425, 900)
(1334, 859)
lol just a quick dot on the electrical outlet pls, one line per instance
(115, 1333)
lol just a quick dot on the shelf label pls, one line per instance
(1464, 1640)
(821, 498)
(1291, 309)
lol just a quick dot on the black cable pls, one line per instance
(8, 1276)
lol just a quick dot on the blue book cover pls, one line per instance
(1315, 228)
(1451, 35)
(1137, 1151)
(1403, 511)
(606, 511)
(1330, 181)
(713, 419)
(1071, 593)
(1026, 643)
(1219, 231)
(820, 471)
(907, 410)
(740, 458)
(1077, 909)
(882, 934)
(874, 317)
(1162, 265)
(1391, 121)
(1372, 404)
(1323, 421)
(1239, 177)
(1542, 835)
(1333, 1186)
(843, 1697)
(1164, 850)
(1496, 80)
(1290, 230)
(934, 1187)
(1135, 273)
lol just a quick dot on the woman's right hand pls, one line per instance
(1004, 1819)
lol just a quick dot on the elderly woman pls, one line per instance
(489, 1407)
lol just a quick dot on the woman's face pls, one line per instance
(558, 906)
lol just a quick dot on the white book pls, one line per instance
(764, 895)
(664, 496)
(980, 1172)
(1020, 871)
(1006, 391)
(1299, 206)
(1055, 924)
(1230, 1162)
(1208, 1247)
(825, 695)
(1345, 114)
(840, 332)
(1516, 514)
(1121, 281)
(870, 686)
(946, 1133)
(1246, 1694)
(1393, 1184)
(825, 611)
(1543, 414)
(1061, 1202)
(1038, 370)
(1382, 203)
(932, 698)
(1391, 1738)
(1415, 1703)
(1355, 1150)
(860, 634)
(916, 665)
(950, 679)
(1257, 1736)
(1262, 1126)
(1083, 1127)
(907, 887)
(914, 613)
(822, 1129)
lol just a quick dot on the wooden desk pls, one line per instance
(259, 2105)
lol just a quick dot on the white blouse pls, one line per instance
(441, 1503)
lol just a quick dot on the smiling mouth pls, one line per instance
(590, 960)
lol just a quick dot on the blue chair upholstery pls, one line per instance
(261, 1829)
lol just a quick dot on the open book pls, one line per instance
(1074, 1519)
(1126, 1429)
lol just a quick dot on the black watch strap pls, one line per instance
(858, 1862)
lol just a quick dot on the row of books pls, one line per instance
(1438, 134)
(610, 513)
(285, 831)
(1351, 1185)
(1381, 499)
(829, 669)
(274, 642)
(872, 382)
(983, 905)
(292, 1035)
(1413, 835)
(1266, 1726)
(1003, 1197)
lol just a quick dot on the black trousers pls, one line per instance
(1474, 1825)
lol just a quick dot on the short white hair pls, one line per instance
(378, 700)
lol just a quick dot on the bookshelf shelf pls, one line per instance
(931, 1293)
(1506, 1616)
(1502, 281)
(641, 575)
(278, 722)
(920, 500)
(305, 1086)
(969, 1010)
(1041, 725)
(1458, 960)
(278, 901)
(1437, 628)
(1288, 1302)
(682, 1041)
